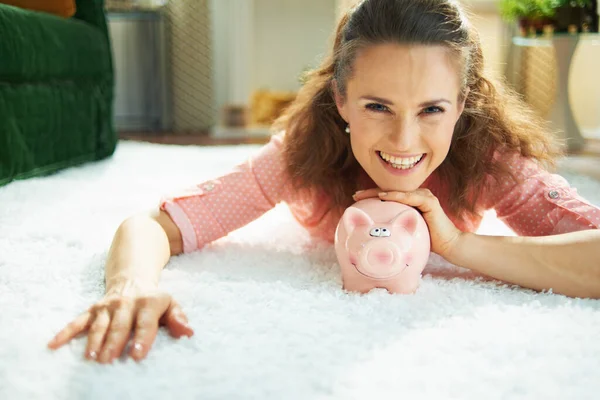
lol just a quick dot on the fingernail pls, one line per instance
(360, 191)
(383, 194)
(138, 347)
(93, 355)
(106, 355)
(187, 326)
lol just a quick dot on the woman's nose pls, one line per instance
(404, 135)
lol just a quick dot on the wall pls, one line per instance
(585, 87)
(289, 36)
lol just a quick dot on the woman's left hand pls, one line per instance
(444, 234)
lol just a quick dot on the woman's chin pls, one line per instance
(395, 187)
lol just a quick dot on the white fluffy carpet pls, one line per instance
(270, 317)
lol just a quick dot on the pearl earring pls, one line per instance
(348, 129)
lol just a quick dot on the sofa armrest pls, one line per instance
(92, 12)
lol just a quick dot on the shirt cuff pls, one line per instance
(179, 217)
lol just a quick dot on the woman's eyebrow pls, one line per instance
(389, 102)
(434, 102)
(378, 100)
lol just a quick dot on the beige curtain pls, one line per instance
(191, 60)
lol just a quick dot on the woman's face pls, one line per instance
(402, 105)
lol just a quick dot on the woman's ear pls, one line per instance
(340, 102)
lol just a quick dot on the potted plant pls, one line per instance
(562, 15)
(529, 14)
(581, 14)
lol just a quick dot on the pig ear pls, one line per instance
(354, 217)
(407, 220)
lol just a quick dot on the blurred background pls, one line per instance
(220, 71)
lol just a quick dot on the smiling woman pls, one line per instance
(401, 110)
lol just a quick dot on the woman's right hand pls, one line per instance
(125, 309)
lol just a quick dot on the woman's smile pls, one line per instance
(401, 165)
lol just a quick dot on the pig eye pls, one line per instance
(385, 232)
(375, 232)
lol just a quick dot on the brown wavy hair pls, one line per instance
(317, 149)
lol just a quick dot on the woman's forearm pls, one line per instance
(568, 264)
(139, 252)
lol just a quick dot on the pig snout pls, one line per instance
(381, 259)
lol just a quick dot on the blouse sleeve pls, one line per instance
(212, 209)
(539, 203)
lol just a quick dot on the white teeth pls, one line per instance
(401, 163)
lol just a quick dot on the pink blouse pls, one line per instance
(541, 204)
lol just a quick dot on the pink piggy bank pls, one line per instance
(382, 244)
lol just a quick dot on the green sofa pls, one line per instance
(56, 90)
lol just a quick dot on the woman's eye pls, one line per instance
(433, 110)
(377, 107)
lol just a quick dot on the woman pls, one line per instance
(401, 110)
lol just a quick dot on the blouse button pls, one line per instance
(553, 194)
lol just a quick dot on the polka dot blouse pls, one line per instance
(539, 204)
